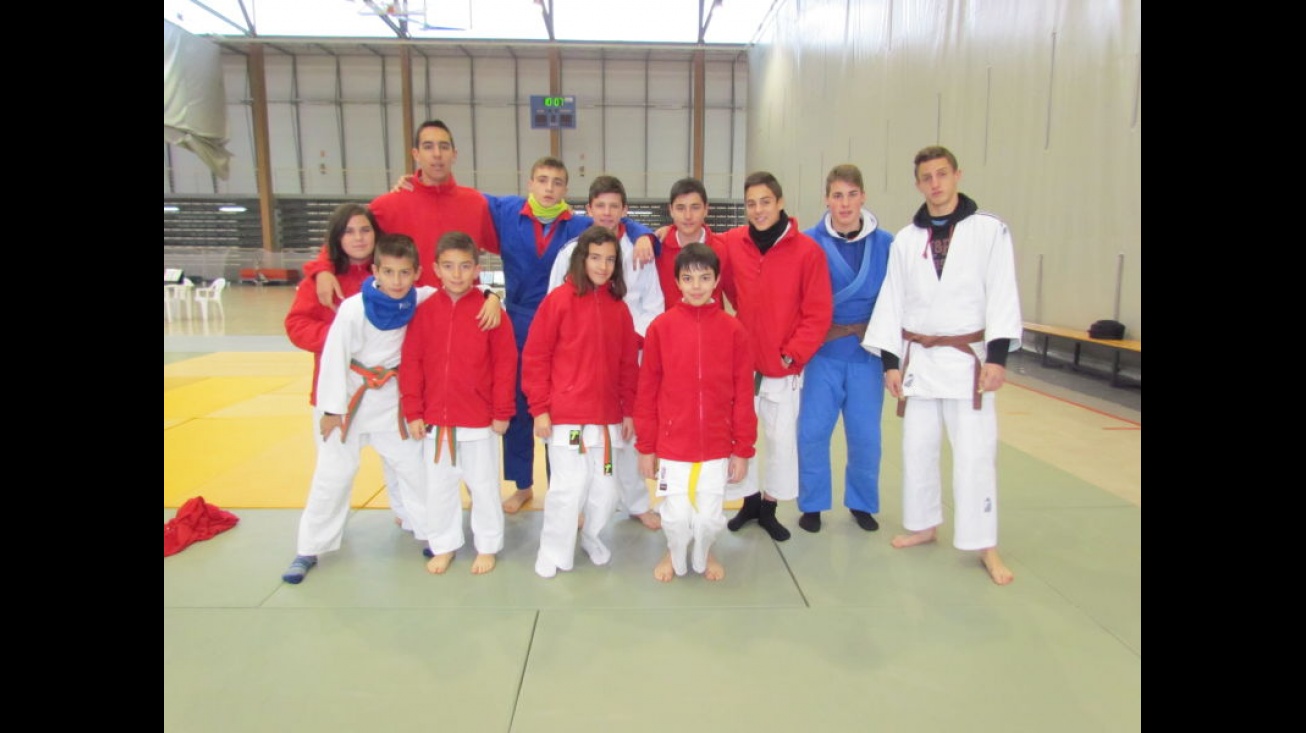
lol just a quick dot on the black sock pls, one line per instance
(751, 510)
(770, 523)
(810, 521)
(865, 520)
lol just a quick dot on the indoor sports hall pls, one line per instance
(829, 631)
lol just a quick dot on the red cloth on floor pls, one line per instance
(195, 521)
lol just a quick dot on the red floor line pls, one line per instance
(1077, 404)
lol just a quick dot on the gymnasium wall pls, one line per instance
(1040, 100)
(336, 125)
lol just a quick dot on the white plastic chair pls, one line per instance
(180, 294)
(211, 294)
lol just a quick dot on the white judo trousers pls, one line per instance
(578, 483)
(393, 493)
(697, 520)
(322, 525)
(973, 436)
(632, 492)
(475, 461)
(777, 403)
(372, 419)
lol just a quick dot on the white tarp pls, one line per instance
(194, 99)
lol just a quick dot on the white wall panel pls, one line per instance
(336, 125)
(1039, 99)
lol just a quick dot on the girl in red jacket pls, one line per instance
(579, 372)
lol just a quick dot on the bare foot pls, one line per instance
(998, 570)
(664, 571)
(580, 521)
(715, 570)
(482, 564)
(399, 522)
(519, 499)
(440, 563)
(915, 538)
(650, 519)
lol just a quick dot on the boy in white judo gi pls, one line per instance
(358, 402)
(947, 315)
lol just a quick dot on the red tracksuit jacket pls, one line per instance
(581, 359)
(695, 399)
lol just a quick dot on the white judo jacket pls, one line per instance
(977, 292)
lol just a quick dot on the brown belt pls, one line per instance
(960, 343)
(839, 330)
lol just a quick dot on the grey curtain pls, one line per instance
(194, 99)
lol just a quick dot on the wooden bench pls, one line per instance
(1080, 337)
(268, 275)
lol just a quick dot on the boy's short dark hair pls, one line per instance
(607, 184)
(763, 178)
(576, 266)
(417, 136)
(458, 242)
(549, 161)
(336, 225)
(698, 256)
(687, 186)
(846, 172)
(933, 152)
(396, 245)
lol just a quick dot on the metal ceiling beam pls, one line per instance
(244, 31)
(704, 22)
(713, 50)
(401, 32)
(546, 8)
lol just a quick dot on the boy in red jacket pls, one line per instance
(694, 411)
(461, 402)
(779, 282)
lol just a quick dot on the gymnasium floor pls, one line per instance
(834, 631)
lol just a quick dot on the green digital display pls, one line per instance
(553, 112)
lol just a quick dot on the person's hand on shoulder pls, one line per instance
(491, 312)
(643, 251)
(328, 289)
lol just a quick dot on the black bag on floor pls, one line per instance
(1114, 330)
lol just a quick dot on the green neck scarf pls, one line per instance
(546, 214)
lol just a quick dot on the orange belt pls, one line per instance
(445, 435)
(960, 343)
(607, 448)
(373, 378)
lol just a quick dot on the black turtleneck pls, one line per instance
(765, 239)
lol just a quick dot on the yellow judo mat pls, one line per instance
(238, 430)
